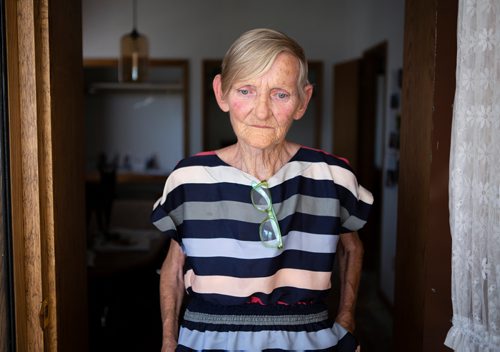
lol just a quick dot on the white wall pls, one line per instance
(330, 31)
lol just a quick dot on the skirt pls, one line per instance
(255, 327)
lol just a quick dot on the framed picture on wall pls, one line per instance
(217, 131)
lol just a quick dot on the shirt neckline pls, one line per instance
(271, 179)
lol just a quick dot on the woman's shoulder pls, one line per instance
(313, 155)
(203, 159)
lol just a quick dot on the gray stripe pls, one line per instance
(344, 214)
(258, 340)
(222, 247)
(229, 210)
(232, 210)
(353, 223)
(257, 320)
(165, 224)
(307, 205)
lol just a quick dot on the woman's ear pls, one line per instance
(219, 96)
(308, 90)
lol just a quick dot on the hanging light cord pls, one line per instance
(135, 14)
(134, 18)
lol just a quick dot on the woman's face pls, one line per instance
(263, 108)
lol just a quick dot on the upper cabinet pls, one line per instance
(141, 127)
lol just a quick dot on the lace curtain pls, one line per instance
(475, 180)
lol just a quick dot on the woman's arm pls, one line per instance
(350, 259)
(171, 295)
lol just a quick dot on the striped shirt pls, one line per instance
(206, 207)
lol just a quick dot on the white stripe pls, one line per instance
(205, 175)
(316, 171)
(341, 176)
(226, 247)
(258, 340)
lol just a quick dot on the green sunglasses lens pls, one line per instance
(269, 230)
(261, 198)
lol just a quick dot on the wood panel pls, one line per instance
(423, 274)
(4, 274)
(346, 110)
(46, 120)
(24, 177)
(438, 308)
(5, 285)
(66, 126)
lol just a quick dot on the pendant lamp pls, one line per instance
(134, 51)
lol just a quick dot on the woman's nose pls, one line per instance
(262, 110)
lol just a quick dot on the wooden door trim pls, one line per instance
(423, 256)
(25, 185)
(43, 93)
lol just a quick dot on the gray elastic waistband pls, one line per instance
(297, 319)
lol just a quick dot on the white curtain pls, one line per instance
(475, 180)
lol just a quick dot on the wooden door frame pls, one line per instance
(46, 119)
(45, 101)
(373, 62)
(423, 257)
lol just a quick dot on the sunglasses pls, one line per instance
(269, 229)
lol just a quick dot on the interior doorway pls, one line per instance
(360, 91)
(71, 299)
(359, 113)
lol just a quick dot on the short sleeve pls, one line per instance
(161, 215)
(355, 204)
(164, 222)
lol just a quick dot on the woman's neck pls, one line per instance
(260, 163)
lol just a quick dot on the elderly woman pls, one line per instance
(255, 225)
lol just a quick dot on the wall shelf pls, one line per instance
(135, 121)
(114, 87)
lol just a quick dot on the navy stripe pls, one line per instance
(198, 304)
(205, 159)
(312, 155)
(222, 228)
(246, 231)
(246, 268)
(305, 186)
(327, 225)
(287, 294)
(214, 192)
(209, 192)
(158, 213)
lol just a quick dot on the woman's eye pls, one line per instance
(281, 96)
(244, 91)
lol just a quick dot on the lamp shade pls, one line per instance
(133, 63)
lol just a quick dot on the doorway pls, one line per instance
(68, 29)
(360, 90)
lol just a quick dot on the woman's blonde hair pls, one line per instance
(254, 52)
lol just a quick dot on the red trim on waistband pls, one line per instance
(257, 300)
